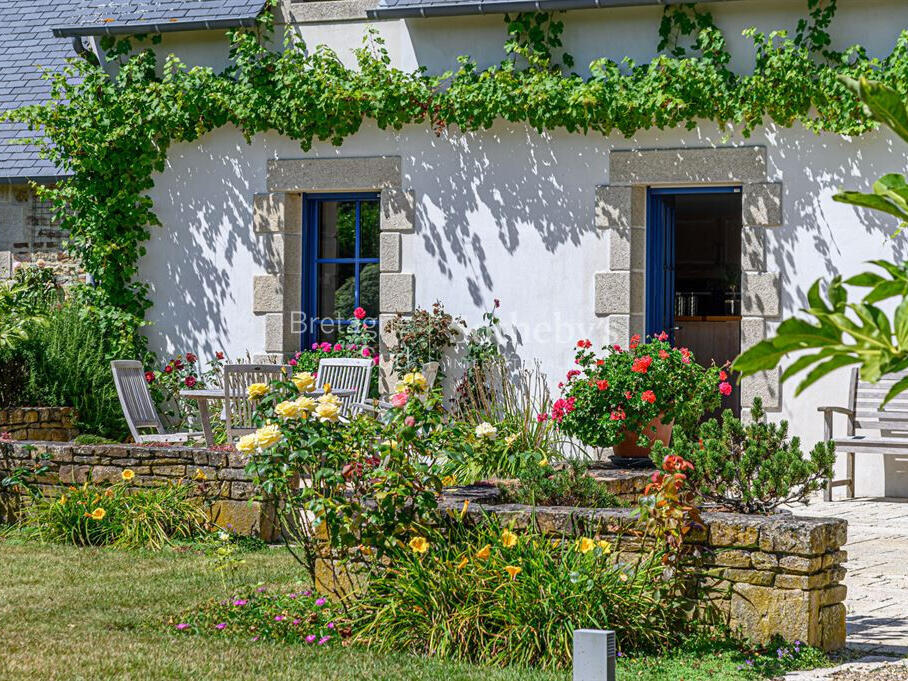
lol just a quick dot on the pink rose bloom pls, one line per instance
(409, 421)
(359, 313)
(375, 360)
(367, 352)
(399, 400)
(292, 362)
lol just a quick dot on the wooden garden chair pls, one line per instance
(238, 408)
(346, 374)
(138, 407)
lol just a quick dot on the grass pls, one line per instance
(99, 613)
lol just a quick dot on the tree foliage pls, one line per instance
(843, 332)
(113, 132)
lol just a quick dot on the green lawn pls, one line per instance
(78, 613)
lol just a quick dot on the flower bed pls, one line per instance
(763, 575)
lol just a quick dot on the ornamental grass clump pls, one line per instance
(119, 515)
(624, 390)
(502, 596)
(750, 468)
(297, 617)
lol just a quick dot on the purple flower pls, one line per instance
(331, 625)
(260, 589)
(255, 638)
(296, 621)
(279, 618)
(240, 601)
(307, 593)
(310, 638)
(182, 625)
(323, 640)
(220, 625)
(319, 602)
(291, 595)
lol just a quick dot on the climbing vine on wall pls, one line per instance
(112, 132)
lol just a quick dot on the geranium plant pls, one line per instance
(622, 391)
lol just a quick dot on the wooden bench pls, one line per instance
(865, 413)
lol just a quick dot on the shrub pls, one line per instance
(422, 337)
(99, 515)
(181, 373)
(624, 390)
(498, 597)
(569, 485)
(297, 616)
(752, 468)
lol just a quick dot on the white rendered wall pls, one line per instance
(508, 213)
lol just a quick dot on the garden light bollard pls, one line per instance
(594, 655)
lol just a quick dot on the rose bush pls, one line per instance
(623, 390)
(183, 372)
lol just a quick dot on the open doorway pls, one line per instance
(693, 272)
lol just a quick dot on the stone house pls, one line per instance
(569, 231)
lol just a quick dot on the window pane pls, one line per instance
(368, 289)
(336, 285)
(337, 229)
(327, 332)
(369, 229)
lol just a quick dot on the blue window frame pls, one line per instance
(340, 262)
(660, 254)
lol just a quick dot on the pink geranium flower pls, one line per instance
(725, 388)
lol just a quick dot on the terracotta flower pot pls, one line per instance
(654, 430)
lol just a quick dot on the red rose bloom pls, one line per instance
(220, 355)
(149, 377)
(189, 381)
(359, 313)
(168, 369)
(191, 358)
(725, 388)
(648, 396)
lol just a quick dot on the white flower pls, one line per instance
(223, 536)
(486, 430)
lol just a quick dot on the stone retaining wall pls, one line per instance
(764, 575)
(55, 424)
(74, 464)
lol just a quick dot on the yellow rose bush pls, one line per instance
(506, 596)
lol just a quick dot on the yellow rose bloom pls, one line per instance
(98, 514)
(329, 398)
(305, 406)
(604, 545)
(543, 462)
(484, 552)
(419, 544)
(463, 563)
(268, 436)
(247, 443)
(416, 380)
(586, 545)
(287, 410)
(327, 411)
(508, 539)
(304, 382)
(326, 388)
(513, 570)
(128, 474)
(257, 390)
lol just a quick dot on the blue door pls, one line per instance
(661, 237)
(340, 263)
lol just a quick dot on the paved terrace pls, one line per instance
(877, 577)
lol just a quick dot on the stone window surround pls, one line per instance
(621, 212)
(277, 220)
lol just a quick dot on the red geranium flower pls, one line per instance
(641, 364)
(723, 376)
(627, 394)
(635, 341)
(602, 385)
(149, 377)
(662, 336)
(585, 343)
(189, 381)
(663, 354)
(648, 396)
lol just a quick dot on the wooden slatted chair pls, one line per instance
(429, 370)
(238, 409)
(346, 374)
(138, 407)
(864, 413)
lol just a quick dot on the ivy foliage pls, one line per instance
(112, 131)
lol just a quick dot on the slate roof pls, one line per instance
(27, 45)
(420, 8)
(133, 16)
